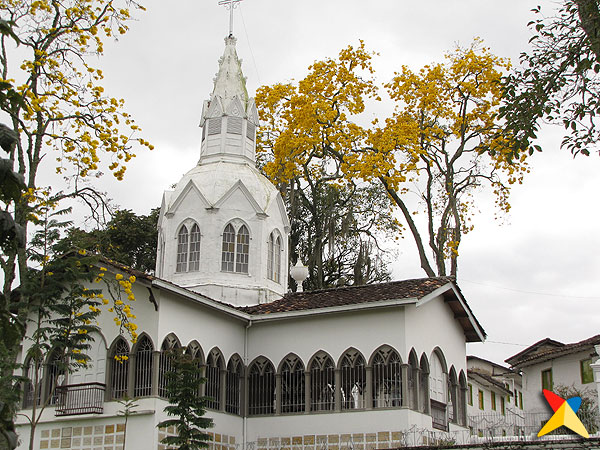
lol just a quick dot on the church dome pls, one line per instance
(223, 231)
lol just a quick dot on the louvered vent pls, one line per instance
(214, 126)
(250, 130)
(234, 125)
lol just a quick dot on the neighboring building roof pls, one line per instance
(500, 367)
(488, 381)
(548, 349)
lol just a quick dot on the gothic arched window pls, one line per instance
(144, 356)
(235, 249)
(194, 263)
(233, 389)
(182, 249)
(165, 362)
(214, 365)
(353, 380)
(119, 369)
(387, 378)
(261, 387)
(322, 383)
(274, 257)
(292, 385)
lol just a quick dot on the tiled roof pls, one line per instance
(395, 290)
(525, 358)
(485, 377)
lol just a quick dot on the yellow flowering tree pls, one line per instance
(442, 142)
(306, 126)
(53, 96)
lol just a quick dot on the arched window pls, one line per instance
(274, 258)
(235, 249)
(165, 362)
(292, 385)
(182, 249)
(195, 351)
(214, 364)
(424, 384)
(261, 387)
(453, 402)
(194, 263)
(322, 383)
(387, 378)
(188, 249)
(119, 369)
(413, 380)
(353, 380)
(55, 375)
(29, 388)
(242, 250)
(144, 356)
(233, 389)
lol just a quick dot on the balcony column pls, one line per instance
(307, 392)
(278, 394)
(337, 373)
(368, 403)
(131, 375)
(203, 385)
(405, 400)
(223, 390)
(155, 371)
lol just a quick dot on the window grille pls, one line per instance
(233, 391)
(387, 379)
(182, 249)
(194, 249)
(29, 385)
(214, 363)
(144, 356)
(250, 130)
(194, 350)
(228, 250)
(322, 383)
(119, 369)
(214, 126)
(55, 376)
(165, 363)
(261, 388)
(353, 380)
(242, 250)
(292, 385)
(234, 125)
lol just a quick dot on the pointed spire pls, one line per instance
(230, 81)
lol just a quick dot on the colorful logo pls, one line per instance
(564, 414)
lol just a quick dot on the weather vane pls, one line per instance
(230, 4)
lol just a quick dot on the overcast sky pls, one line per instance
(531, 275)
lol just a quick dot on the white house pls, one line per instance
(494, 399)
(549, 363)
(300, 370)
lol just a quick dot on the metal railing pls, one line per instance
(84, 398)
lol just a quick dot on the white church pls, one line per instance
(360, 367)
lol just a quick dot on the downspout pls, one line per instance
(245, 426)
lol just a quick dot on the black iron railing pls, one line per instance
(84, 398)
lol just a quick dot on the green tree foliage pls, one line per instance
(558, 81)
(186, 406)
(127, 238)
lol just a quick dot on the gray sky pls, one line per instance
(532, 274)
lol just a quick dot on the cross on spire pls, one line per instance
(230, 5)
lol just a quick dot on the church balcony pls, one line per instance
(83, 398)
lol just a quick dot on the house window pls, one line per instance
(119, 369)
(55, 375)
(274, 258)
(261, 388)
(353, 380)
(214, 363)
(235, 249)
(188, 249)
(547, 379)
(502, 406)
(322, 383)
(520, 400)
(470, 394)
(233, 390)
(481, 400)
(493, 396)
(516, 398)
(292, 385)
(585, 368)
(387, 378)
(144, 357)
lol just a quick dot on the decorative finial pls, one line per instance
(230, 5)
(299, 273)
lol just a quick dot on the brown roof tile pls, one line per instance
(352, 295)
(551, 353)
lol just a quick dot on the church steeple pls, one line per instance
(229, 118)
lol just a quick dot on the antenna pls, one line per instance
(230, 5)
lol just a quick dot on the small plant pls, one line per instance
(129, 406)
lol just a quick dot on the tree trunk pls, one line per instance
(589, 15)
